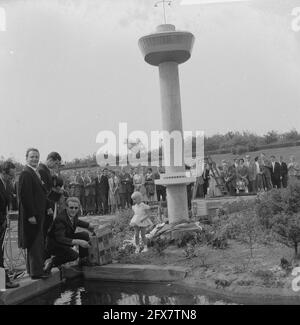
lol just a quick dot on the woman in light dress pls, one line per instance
(150, 186)
(139, 183)
(293, 170)
(213, 190)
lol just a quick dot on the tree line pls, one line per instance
(241, 142)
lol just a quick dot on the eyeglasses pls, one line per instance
(73, 208)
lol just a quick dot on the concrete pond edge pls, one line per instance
(111, 272)
(150, 274)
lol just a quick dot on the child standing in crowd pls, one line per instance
(140, 221)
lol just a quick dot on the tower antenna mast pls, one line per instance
(164, 2)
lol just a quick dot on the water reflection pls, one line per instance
(70, 297)
(110, 293)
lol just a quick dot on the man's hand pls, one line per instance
(91, 229)
(81, 243)
(32, 220)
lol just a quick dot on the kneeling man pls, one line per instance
(62, 237)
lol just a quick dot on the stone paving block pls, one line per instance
(29, 288)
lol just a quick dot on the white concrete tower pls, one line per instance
(167, 48)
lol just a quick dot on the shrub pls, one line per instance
(250, 229)
(287, 227)
(237, 206)
(266, 237)
(124, 251)
(231, 225)
(243, 225)
(285, 264)
(216, 235)
(190, 250)
(264, 210)
(241, 150)
(185, 238)
(121, 230)
(219, 240)
(252, 147)
(278, 201)
(159, 244)
(266, 276)
(293, 197)
(205, 236)
(121, 224)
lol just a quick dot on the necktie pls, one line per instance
(4, 183)
(72, 222)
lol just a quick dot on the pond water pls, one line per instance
(112, 293)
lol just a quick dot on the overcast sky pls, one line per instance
(69, 69)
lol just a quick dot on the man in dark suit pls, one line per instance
(52, 163)
(189, 188)
(129, 188)
(32, 208)
(80, 181)
(275, 172)
(7, 173)
(205, 177)
(122, 188)
(283, 172)
(63, 236)
(102, 188)
(230, 178)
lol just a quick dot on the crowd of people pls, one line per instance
(247, 175)
(105, 190)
